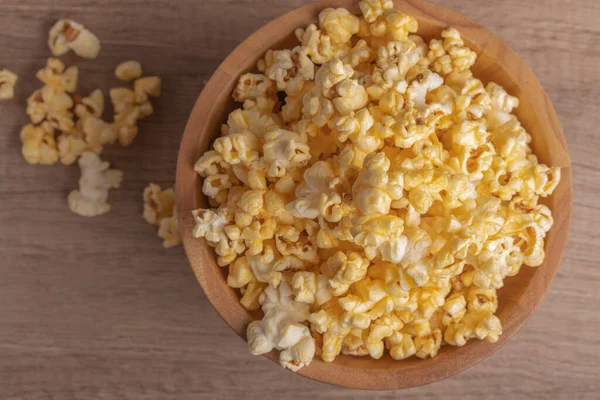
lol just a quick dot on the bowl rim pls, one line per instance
(429, 370)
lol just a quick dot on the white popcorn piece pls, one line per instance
(91, 199)
(281, 328)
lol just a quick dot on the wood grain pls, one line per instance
(96, 309)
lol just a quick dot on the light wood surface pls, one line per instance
(96, 309)
(519, 296)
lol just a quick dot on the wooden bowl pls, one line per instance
(520, 295)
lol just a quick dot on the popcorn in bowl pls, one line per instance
(371, 195)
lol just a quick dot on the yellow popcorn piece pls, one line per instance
(67, 34)
(353, 344)
(91, 199)
(482, 325)
(132, 105)
(251, 294)
(128, 70)
(90, 106)
(376, 187)
(284, 150)
(98, 133)
(328, 322)
(158, 203)
(343, 270)
(8, 80)
(371, 9)
(168, 230)
(319, 46)
(310, 288)
(39, 145)
(146, 86)
(70, 147)
(288, 69)
(370, 194)
(401, 345)
(339, 24)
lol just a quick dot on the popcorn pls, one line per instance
(401, 345)
(91, 199)
(160, 209)
(376, 188)
(70, 147)
(310, 288)
(343, 270)
(168, 230)
(251, 295)
(319, 46)
(7, 84)
(289, 69)
(371, 9)
(353, 344)
(284, 150)
(91, 106)
(252, 87)
(370, 194)
(210, 224)
(128, 71)
(132, 105)
(39, 145)
(339, 24)
(56, 76)
(281, 329)
(67, 34)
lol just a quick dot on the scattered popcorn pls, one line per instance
(68, 35)
(128, 71)
(7, 84)
(91, 199)
(132, 105)
(160, 210)
(378, 201)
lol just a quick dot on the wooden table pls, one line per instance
(96, 309)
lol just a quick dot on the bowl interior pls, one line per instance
(520, 295)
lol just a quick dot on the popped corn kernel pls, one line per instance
(67, 34)
(59, 77)
(90, 106)
(128, 70)
(252, 87)
(343, 270)
(39, 145)
(371, 9)
(70, 147)
(370, 194)
(338, 23)
(284, 150)
(158, 203)
(91, 199)
(8, 80)
(168, 230)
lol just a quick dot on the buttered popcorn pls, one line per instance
(371, 195)
(8, 79)
(160, 210)
(67, 127)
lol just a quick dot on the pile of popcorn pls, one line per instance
(382, 203)
(67, 127)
